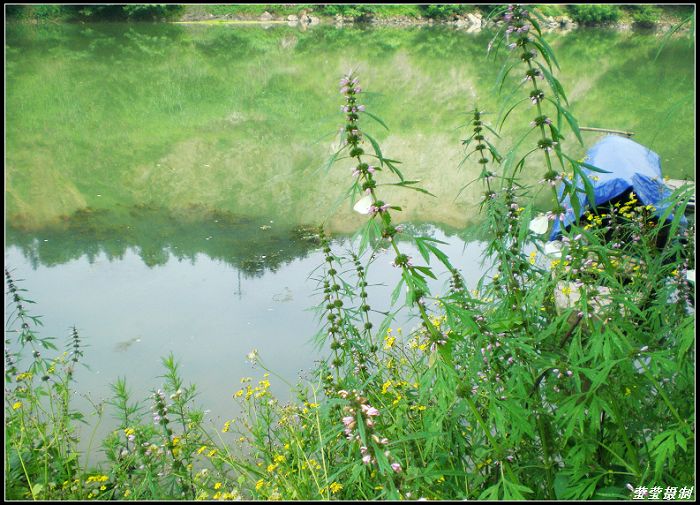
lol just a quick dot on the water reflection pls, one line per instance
(240, 119)
(156, 235)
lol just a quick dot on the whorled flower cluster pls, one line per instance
(359, 410)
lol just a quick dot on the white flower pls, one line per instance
(539, 224)
(253, 356)
(364, 204)
(690, 275)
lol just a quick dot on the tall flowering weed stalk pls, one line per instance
(41, 449)
(502, 212)
(533, 60)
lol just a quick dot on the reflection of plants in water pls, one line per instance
(121, 98)
(158, 235)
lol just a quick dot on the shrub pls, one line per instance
(445, 11)
(594, 14)
(359, 12)
(645, 16)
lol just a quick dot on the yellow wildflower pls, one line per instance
(335, 487)
(217, 485)
(389, 341)
(16, 405)
(201, 449)
(129, 431)
(238, 394)
(259, 484)
(386, 386)
(280, 458)
(226, 427)
(272, 467)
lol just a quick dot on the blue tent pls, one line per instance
(631, 167)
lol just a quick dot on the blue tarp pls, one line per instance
(631, 167)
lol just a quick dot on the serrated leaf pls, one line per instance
(375, 146)
(426, 271)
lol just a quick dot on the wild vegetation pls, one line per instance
(496, 393)
(645, 16)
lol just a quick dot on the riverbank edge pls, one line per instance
(471, 22)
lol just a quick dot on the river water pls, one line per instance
(159, 177)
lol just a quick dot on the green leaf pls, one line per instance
(423, 249)
(441, 256)
(511, 110)
(502, 74)
(513, 491)
(376, 148)
(525, 218)
(543, 52)
(409, 185)
(390, 163)
(378, 120)
(663, 447)
(548, 50)
(490, 493)
(554, 84)
(334, 157)
(680, 440)
(611, 493)
(397, 291)
(573, 124)
(561, 482)
(427, 271)
(37, 489)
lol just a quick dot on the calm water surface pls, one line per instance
(156, 175)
